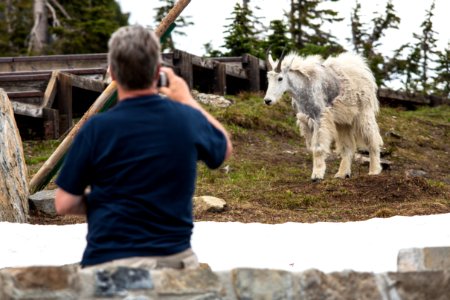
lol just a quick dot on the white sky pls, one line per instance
(366, 246)
(210, 17)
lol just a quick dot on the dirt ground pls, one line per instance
(268, 178)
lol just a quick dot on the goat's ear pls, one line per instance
(301, 73)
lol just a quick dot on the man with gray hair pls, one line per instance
(140, 160)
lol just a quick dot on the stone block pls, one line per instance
(263, 284)
(424, 259)
(420, 285)
(40, 283)
(347, 285)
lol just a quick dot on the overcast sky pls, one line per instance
(210, 17)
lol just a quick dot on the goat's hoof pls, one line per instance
(316, 180)
(376, 172)
(342, 176)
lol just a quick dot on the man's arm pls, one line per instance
(178, 90)
(69, 204)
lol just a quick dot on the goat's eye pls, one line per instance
(280, 78)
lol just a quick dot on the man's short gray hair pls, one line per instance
(134, 54)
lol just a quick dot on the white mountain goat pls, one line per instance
(335, 101)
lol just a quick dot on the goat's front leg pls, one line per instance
(320, 146)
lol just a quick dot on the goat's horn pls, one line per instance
(278, 68)
(268, 65)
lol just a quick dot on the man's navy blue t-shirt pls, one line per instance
(140, 160)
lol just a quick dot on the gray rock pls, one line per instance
(346, 285)
(209, 203)
(210, 99)
(44, 201)
(415, 173)
(263, 284)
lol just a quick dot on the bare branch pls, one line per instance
(61, 8)
(56, 22)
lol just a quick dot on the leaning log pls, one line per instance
(13, 171)
(52, 165)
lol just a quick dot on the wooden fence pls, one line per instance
(48, 92)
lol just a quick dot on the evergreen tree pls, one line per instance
(442, 79)
(426, 42)
(181, 22)
(87, 26)
(16, 19)
(366, 43)
(306, 20)
(242, 33)
(278, 40)
(420, 55)
(75, 26)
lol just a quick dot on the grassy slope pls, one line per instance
(267, 179)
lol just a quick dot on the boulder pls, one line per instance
(44, 201)
(13, 171)
(209, 203)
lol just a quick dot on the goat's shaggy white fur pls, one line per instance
(335, 101)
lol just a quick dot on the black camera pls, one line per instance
(162, 81)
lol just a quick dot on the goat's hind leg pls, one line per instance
(373, 140)
(346, 146)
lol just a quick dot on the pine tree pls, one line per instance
(442, 79)
(420, 56)
(242, 33)
(306, 21)
(278, 40)
(87, 26)
(426, 42)
(181, 22)
(16, 19)
(366, 43)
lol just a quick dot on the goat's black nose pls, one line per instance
(267, 101)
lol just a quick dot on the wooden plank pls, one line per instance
(390, 95)
(204, 63)
(26, 109)
(235, 71)
(86, 83)
(25, 94)
(24, 77)
(64, 102)
(183, 61)
(236, 59)
(251, 66)
(78, 71)
(220, 78)
(65, 57)
(50, 91)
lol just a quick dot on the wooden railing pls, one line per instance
(53, 88)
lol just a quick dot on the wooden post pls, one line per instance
(52, 165)
(220, 78)
(51, 123)
(64, 103)
(183, 61)
(251, 65)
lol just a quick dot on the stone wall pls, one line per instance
(68, 282)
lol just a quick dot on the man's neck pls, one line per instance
(125, 94)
